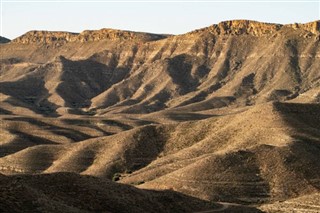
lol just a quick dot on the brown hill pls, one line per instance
(307, 203)
(227, 113)
(233, 158)
(66, 192)
(234, 62)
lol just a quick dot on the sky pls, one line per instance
(156, 16)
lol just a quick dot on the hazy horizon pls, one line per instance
(18, 17)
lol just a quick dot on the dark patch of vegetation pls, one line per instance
(116, 177)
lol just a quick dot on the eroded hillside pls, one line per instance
(226, 116)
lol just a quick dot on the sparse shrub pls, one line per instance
(116, 177)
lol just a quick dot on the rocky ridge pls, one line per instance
(255, 28)
(313, 27)
(85, 36)
(227, 113)
(234, 27)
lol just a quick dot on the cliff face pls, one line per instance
(234, 62)
(255, 28)
(227, 113)
(85, 36)
(238, 27)
(313, 27)
(44, 37)
(235, 27)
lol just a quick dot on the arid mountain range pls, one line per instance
(220, 119)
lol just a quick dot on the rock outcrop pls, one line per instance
(227, 113)
(85, 36)
(255, 28)
(313, 27)
(234, 27)
(45, 37)
(246, 27)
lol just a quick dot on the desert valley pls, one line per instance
(221, 119)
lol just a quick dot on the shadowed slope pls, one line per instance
(234, 62)
(225, 113)
(234, 158)
(254, 159)
(65, 192)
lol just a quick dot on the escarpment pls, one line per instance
(85, 36)
(313, 27)
(234, 27)
(233, 62)
(255, 28)
(229, 113)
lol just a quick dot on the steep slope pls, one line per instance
(234, 62)
(65, 192)
(254, 156)
(228, 113)
(233, 158)
(307, 203)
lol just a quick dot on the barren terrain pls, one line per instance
(220, 119)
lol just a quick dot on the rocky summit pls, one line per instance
(221, 119)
